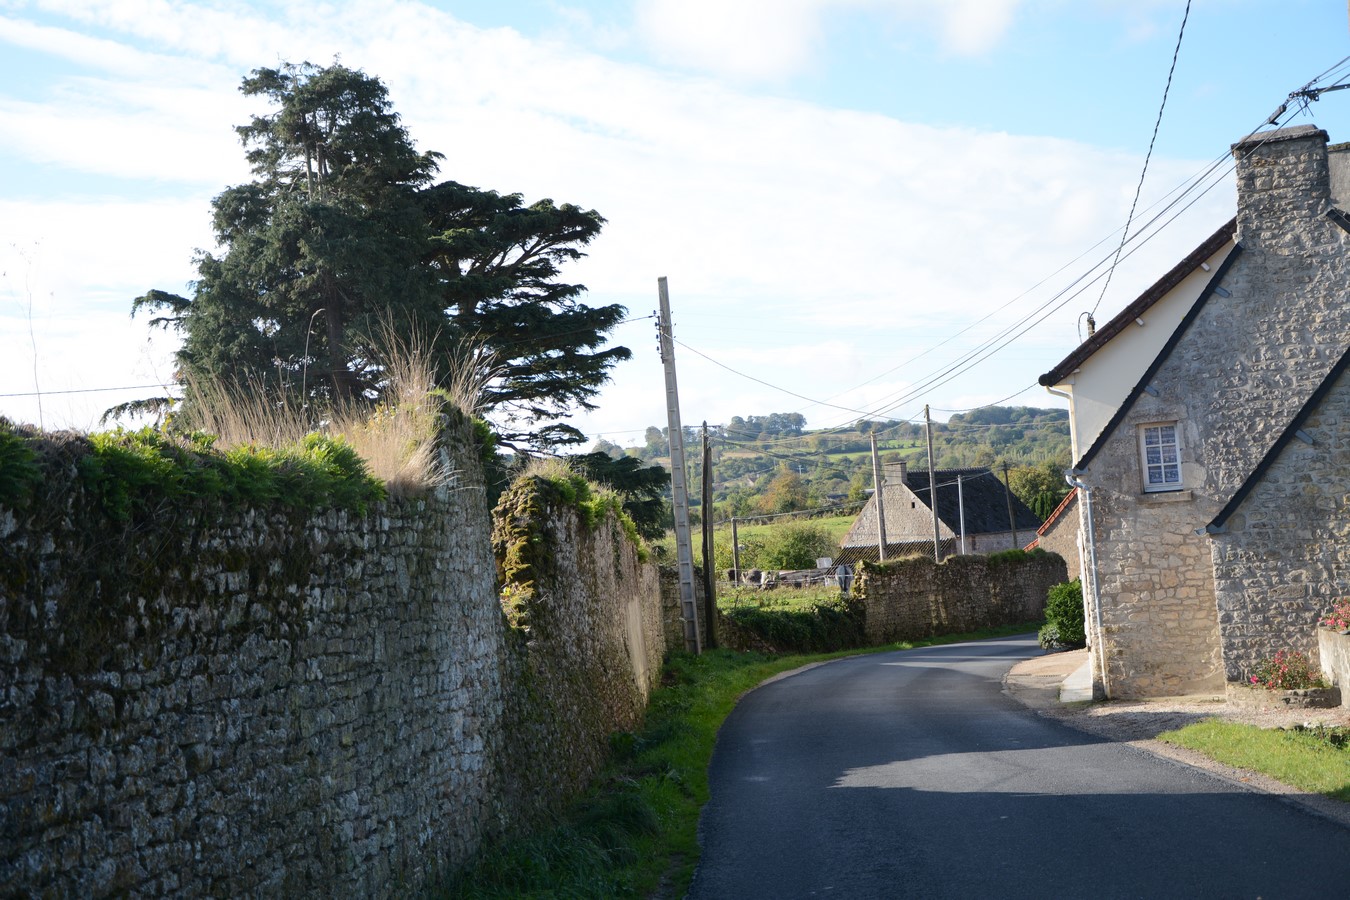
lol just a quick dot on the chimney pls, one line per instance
(1283, 188)
(895, 473)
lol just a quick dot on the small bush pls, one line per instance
(1064, 626)
(796, 545)
(19, 472)
(1339, 617)
(1287, 670)
(822, 628)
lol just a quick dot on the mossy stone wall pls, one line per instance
(207, 699)
(918, 598)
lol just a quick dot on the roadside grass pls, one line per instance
(635, 833)
(1315, 759)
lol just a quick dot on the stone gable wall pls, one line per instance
(210, 702)
(1062, 538)
(919, 598)
(907, 519)
(1285, 557)
(1236, 378)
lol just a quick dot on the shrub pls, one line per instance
(1339, 617)
(1287, 670)
(796, 545)
(1064, 626)
(19, 472)
(824, 627)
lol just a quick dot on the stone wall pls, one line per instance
(212, 700)
(918, 598)
(1285, 557)
(586, 647)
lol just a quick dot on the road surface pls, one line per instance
(911, 774)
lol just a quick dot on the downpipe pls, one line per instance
(1072, 477)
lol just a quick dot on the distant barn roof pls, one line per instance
(984, 497)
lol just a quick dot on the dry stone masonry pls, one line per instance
(916, 598)
(217, 701)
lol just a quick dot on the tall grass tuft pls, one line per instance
(395, 437)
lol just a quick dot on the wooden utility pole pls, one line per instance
(1007, 493)
(932, 486)
(879, 494)
(679, 489)
(961, 502)
(735, 551)
(709, 582)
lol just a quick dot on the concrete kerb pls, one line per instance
(1046, 681)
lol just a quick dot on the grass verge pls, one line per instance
(1315, 759)
(635, 833)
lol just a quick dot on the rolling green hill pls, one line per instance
(774, 464)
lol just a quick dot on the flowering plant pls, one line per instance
(1287, 671)
(1339, 617)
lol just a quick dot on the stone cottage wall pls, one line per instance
(1234, 380)
(1061, 536)
(918, 598)
(212, 701)
(1285, 558)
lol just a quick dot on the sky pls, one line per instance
(862, 207)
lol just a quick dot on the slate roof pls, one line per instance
(984, 496)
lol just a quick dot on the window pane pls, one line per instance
(1161, 456)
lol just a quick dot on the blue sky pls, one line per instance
(848, 196)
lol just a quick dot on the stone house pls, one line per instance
(1194, 467)
(971, 502)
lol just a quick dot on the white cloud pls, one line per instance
(773, 39)
(815, 247)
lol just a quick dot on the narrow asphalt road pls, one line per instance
(911, 774)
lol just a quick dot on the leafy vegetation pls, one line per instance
(641, 488)
(1287, 670)
(823, 626)
(764, 545)
(772, 464)
(128, 472)
(19, 471)
(1313, 758)
(1064, 626)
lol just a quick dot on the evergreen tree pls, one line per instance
(643, 488)
(343, 233)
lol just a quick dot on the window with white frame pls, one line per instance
(1160, 454)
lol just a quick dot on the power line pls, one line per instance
(134, 387)
(795, 512)
(1147, 156)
